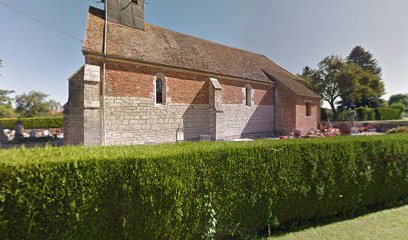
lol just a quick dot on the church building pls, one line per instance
(144, 84)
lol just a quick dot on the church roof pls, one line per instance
(157, 45)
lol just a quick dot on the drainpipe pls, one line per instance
(104, 75)
(275, 100)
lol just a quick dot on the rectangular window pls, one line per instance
(308, 109)
(248, 96)
(159, 91)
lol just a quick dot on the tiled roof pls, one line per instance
(161, 46)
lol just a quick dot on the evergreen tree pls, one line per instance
(399, 98)
(365, 60)
(359, 88)
(368, 83)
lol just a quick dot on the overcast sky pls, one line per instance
(293, 33)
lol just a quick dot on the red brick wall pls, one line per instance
(126, 80)
(291, 112)
(232, 92)
(263, 94)
(303, 122)
(188, 91)
(286, 110)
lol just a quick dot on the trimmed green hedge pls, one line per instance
(370, 114)
(33, 123)
(194, 190)
(388, 114)
(366, 114)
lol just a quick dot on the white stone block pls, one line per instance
(91, 104)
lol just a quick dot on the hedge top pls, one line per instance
(22, 156)
(206, 190)
(33, 123)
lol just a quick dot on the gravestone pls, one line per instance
(179, 134)
(33, 134)
(18, 135)
(46, 133)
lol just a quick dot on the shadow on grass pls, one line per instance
(294, 227)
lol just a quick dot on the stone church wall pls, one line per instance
(196, 103)
(82, 113)
(132, 120)
(73, 110)
(133, 117)
(241, 121)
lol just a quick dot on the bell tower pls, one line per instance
(126, 12)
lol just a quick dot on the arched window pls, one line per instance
(159, 91)
(248, 96)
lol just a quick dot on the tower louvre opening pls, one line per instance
(126, 12)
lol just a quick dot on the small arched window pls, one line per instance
(159, 91)
(248, 96)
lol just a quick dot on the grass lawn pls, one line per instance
(385, 225)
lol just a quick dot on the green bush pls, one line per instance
(370, 114)
(347, 115)
(387, 114)
(323, 114)
(33, 123)
(194, 190)
(365, 114)
(326, 114)
(399, 106)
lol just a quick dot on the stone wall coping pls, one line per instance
(216, 84)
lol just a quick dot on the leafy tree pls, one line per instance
(7, 112)
(5, 100)
(325, 80)
(34, 104)
(365, 60)
(359, 88)
(350, 83)
(399, 98)
(54, 105)
(6, 107)
(398, 105)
